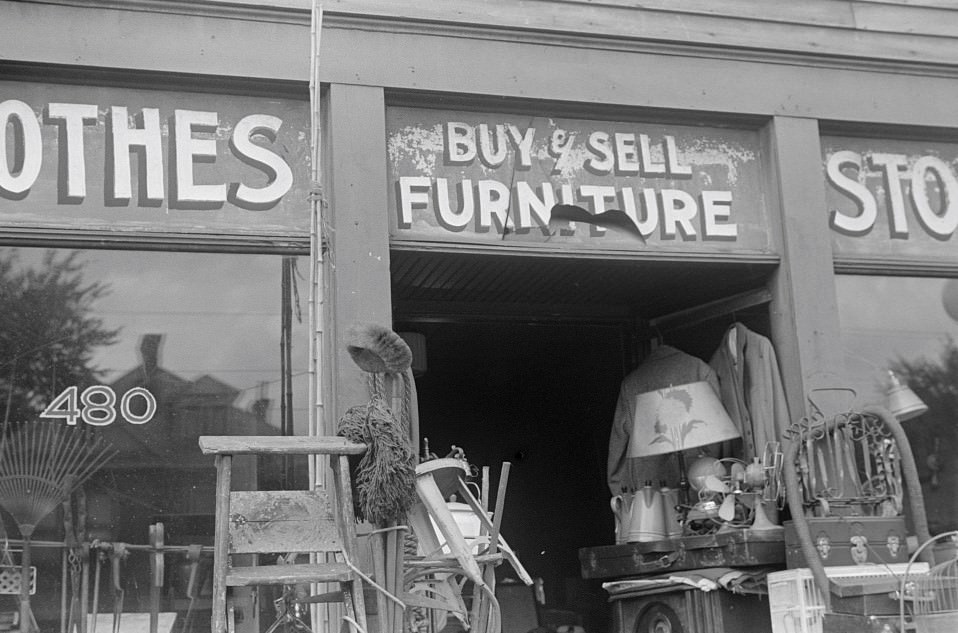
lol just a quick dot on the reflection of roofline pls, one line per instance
(225, 388)
(131, 376)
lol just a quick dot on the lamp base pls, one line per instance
(761, 522)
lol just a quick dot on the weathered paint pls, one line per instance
(469, 177)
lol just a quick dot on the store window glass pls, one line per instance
(909, 326)
(145, 351)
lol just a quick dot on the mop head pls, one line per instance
(377, 349)
(386, 474)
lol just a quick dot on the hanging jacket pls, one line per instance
(750, 386)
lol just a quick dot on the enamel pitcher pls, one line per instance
(622, 510)
(648, 516)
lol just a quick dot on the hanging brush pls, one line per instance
(41, 464)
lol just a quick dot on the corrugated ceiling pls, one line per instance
(443, 284)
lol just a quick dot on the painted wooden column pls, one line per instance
(804, 310)
(358, 261)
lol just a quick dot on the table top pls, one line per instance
(731, 548)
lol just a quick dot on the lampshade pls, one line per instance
(901, 401)
(678, 418)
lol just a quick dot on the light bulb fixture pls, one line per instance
(901, 401)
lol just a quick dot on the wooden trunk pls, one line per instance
(735, 548)
(850, 540)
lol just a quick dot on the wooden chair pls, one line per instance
(284, 522)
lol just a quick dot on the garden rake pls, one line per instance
(41, 463)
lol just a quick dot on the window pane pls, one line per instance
(148, 351)
(908, 325)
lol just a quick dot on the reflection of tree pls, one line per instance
(934, 436)
(47, 333)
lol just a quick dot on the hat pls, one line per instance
(378, 349)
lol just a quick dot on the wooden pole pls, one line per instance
(317, 282)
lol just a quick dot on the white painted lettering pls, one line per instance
(891, 166)
(649, 166)
(124, 139)
(460, 143)
(493, 206)
(940, 224)
(533, 205)
(854, 189)
(602, 161)
(454, 219)
(716, 211)
(672, 159)
(74, 117)
(413, 194)
(492, 151)
(626, 154)
(598, 194)
(186, 147)
(523, 144)
(678, 210)
(647, 227)
(30, 146)
(277, 169)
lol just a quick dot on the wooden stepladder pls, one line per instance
(284, 522)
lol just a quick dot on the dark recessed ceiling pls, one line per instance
(427, 285)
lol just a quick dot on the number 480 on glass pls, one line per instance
(97, 406)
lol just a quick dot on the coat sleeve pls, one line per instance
(770, 416)
(618, 476)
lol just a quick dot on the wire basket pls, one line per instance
(932, 598)
(10, 580)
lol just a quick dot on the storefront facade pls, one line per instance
(790, 167)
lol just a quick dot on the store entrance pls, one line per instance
(524, 359)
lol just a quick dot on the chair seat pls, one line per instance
(287, 574)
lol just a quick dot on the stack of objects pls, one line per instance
(845, 478)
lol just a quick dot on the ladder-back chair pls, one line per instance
(284, 522)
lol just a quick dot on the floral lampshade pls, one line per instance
(679, 418)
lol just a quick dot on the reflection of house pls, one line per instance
(186, 409)
(159, 471)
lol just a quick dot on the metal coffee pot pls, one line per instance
(648, 516)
